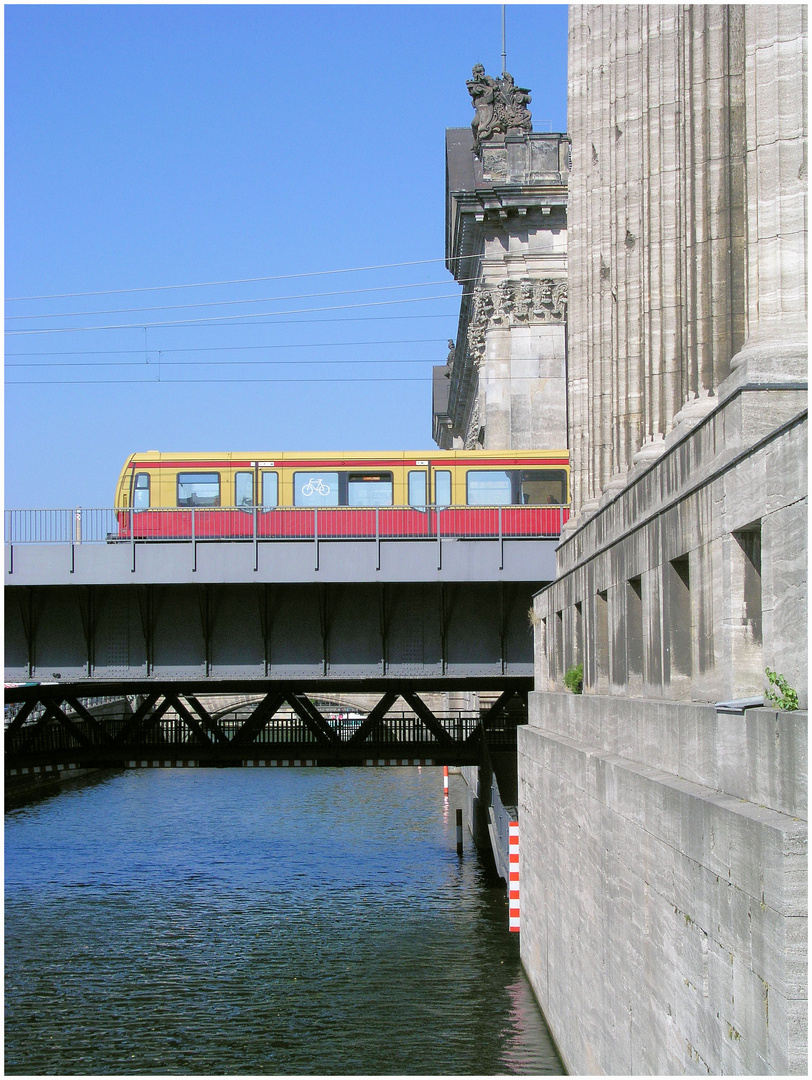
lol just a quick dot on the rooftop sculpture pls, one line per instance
(501, 107)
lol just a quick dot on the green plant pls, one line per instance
(574, 679)
(782, 695)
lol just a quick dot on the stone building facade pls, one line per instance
(504, 384)
(663, 810)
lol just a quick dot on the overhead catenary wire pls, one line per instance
(229, 303)
(206, 382)
(234, 281)
(229, 348)
(226, 318)
(214, 363)
(425, 379)
(406, 317)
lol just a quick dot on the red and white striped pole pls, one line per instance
(513, 875)
(445, 781)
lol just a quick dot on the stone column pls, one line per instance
(775, 349)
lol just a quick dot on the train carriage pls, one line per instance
(294, 495)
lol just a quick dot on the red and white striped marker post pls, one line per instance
(445, 781)
(513, 875)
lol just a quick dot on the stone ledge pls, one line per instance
(728, 434)
(759, 756)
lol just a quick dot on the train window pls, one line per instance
(198, 489)
(243, 489)
(489, 487)
(442, 488)
(270, 489)
(543, 487)
(315, 489)
(369, 489)
(141, 491)
(417, 490)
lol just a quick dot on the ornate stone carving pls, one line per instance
(472, 432)
(480, 318)
(449, 364)
(501, 107)
(550, 300)
(523, 305)
(504, 303)
(511, 303)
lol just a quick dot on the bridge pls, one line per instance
(160, 623)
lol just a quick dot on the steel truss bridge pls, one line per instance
(166, 623)
(49, 729)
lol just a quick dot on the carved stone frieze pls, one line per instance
(514, 302)
(472, 431)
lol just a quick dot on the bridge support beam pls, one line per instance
(171, 723)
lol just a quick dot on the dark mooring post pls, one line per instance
(459, 831)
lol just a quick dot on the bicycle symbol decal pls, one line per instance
(315, 486)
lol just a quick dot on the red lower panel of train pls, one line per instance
(341, 523)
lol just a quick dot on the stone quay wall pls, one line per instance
(662, 811)
(664, 887)
(664, 843)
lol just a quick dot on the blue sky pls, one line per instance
(152, 146)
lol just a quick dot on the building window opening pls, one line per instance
(559, 645)
(634, 629)
(602, 638)
(578, 655)
(679, 618)
(749, 541)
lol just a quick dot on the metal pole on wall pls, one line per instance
(504, 54)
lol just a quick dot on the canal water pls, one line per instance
(260, 921)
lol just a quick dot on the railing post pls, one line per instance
(378, 535)
(316, 533)
(256, 548)
(73, 525)
(439, 540)
(501, 543)
(194, 544)
(132, 542)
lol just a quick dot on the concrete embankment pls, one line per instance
(664, 882)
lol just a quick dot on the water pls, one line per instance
(260, 921)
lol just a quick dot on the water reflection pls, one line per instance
(260, 921)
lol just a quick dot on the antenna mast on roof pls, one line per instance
(504, 55)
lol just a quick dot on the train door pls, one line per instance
(418, 486)
(441, 487)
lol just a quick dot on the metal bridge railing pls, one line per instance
(105, 526)
(172, 731)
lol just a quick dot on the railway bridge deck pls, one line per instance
(167, 621)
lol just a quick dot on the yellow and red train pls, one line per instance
(241, 494)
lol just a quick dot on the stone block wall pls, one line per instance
(692, 580)
(664, 884)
